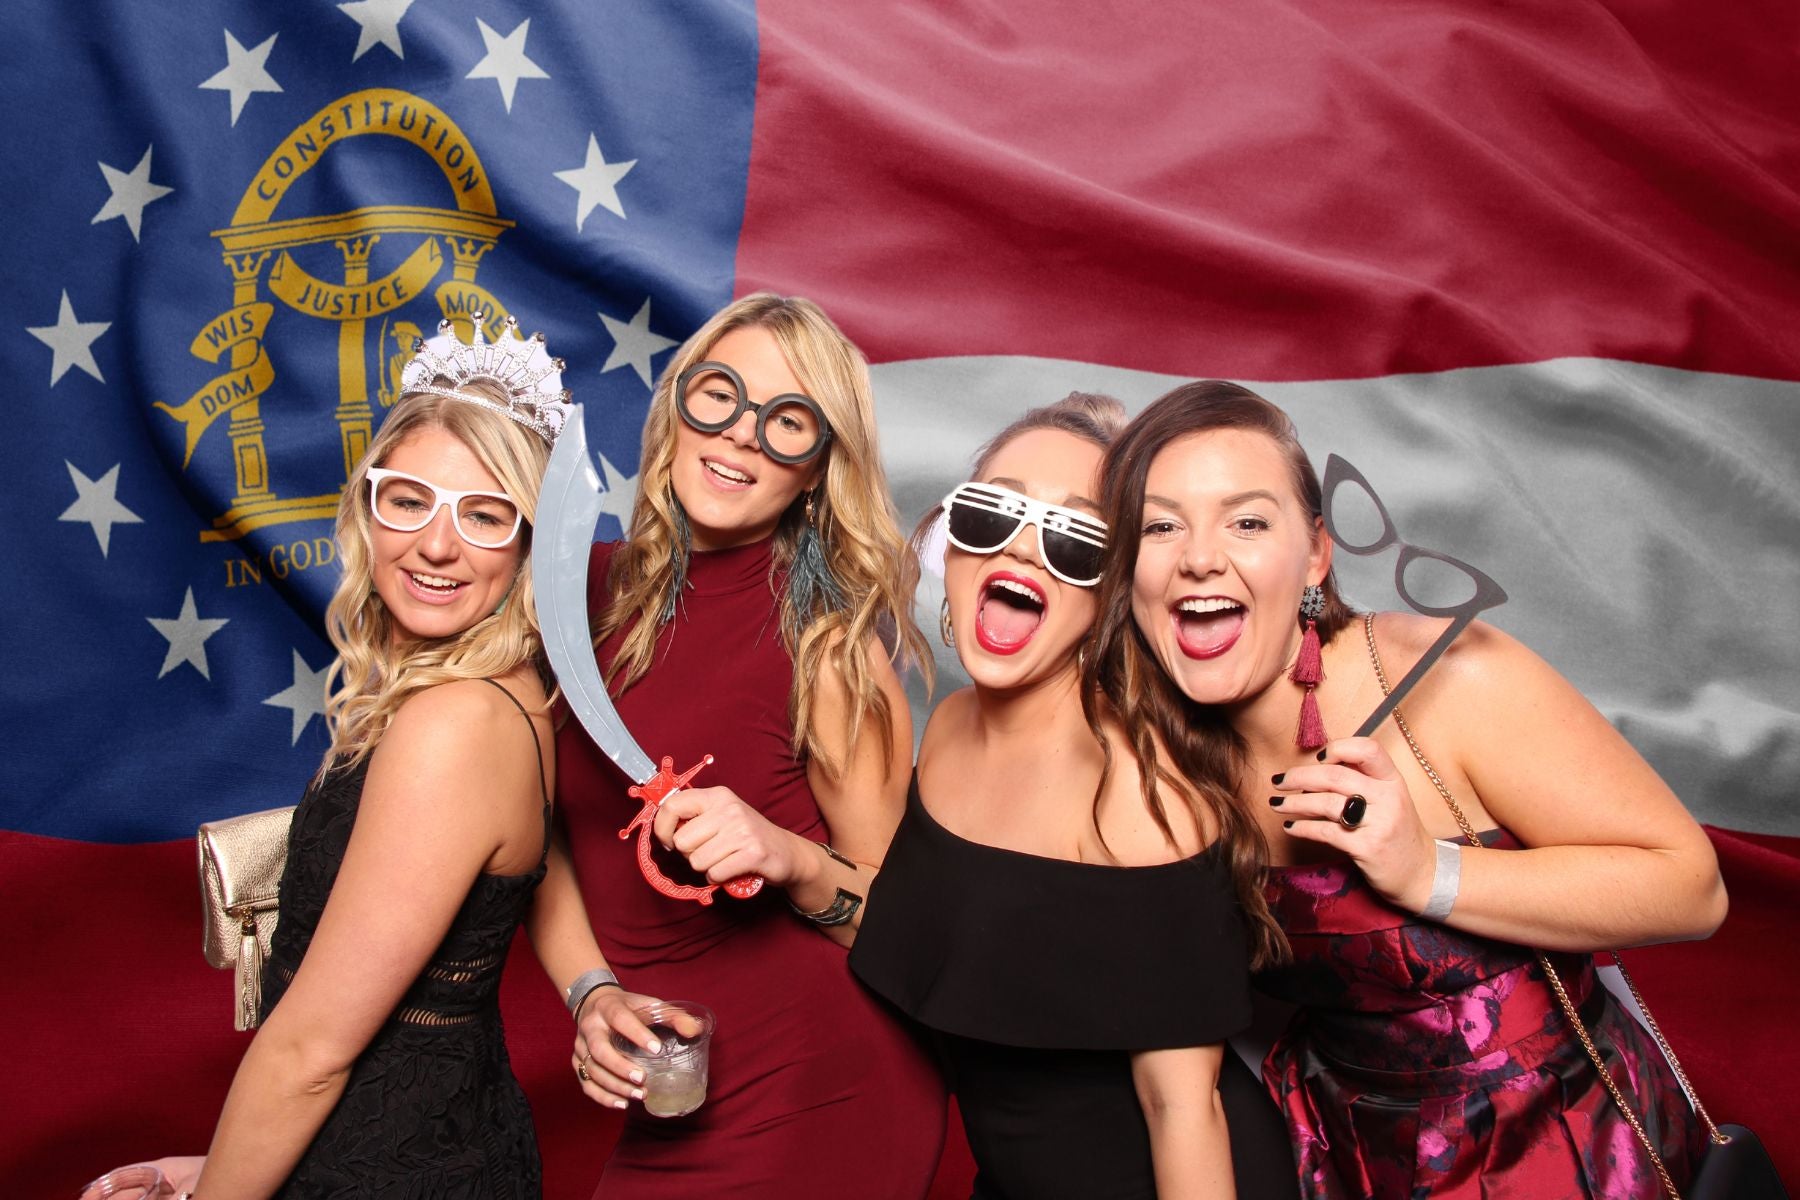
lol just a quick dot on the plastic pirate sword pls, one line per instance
(567, 509)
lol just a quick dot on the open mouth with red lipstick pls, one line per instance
(1207, 626)
(1010, 611)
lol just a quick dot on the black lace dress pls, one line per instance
(431, 1108)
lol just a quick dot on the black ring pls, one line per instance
(1355, 808)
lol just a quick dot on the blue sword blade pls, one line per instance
(568, 507)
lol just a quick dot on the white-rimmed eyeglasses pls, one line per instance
(406, 504)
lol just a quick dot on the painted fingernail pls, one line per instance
(620, 1104)
(654, 1047)
(1287, 824)
(1321, 756)
(637, 1077)
(1275, 801)
(637, 1093)
(1276, 779)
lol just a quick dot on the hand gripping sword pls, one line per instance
(567, 508)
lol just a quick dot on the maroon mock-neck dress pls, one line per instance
(815, 1089)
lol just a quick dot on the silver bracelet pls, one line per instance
(584, 985)
(1446, 882)
(843, 906)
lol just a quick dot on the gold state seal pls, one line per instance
(256, 240)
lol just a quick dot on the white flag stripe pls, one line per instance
(1645, 522)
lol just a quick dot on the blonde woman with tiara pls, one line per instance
(754, 612)
(380, 1068)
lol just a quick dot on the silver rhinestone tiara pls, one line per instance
(522, 366)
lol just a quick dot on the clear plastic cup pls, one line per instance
(141, 1182)
(675, 1078)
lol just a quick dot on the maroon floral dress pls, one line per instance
(1425, 1062)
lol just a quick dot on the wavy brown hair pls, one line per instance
(852, 513)
(1199, 740)
(375, 672)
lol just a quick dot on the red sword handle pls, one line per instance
(652, 792)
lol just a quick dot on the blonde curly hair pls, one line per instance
(852, 513)
(375, 672)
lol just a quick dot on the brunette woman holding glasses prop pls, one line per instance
(1430, 1055)
(1077, 955)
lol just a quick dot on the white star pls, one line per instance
(305, 697)
(597, 182)
(187, 636)
(633, 343)
(505, 61)
(71, 341)
(244, 73)
(130, 193)
(97, 504)
(621, 492)
(380, 21)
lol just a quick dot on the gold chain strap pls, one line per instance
(1556, 984)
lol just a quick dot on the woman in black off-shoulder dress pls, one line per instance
(1079, 963)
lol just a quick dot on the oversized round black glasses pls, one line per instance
(790, 428)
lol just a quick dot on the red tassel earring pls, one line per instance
(1309, 670)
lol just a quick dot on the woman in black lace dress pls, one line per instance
(380, 1068)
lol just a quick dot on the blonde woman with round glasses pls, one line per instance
(754, 613)
(380, 1067)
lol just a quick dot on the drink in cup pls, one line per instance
(139, 1182)
(675, 1077)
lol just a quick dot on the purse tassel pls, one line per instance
(249, 978)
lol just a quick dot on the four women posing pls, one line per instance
(1105, 835)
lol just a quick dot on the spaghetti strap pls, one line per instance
(537, 748)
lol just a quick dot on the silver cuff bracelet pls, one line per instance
(1446, 881)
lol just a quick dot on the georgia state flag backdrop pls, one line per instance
(1534, 268)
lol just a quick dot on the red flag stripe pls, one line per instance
(1276, 193)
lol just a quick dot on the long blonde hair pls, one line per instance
(852, 514)
(374, 672)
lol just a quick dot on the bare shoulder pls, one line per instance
(1133, 836)
(1482, 656)
(950, 716)
(834, 698)
(438, 713)
(458, 733)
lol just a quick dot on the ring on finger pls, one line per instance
(1355, 808)
(581, 1070)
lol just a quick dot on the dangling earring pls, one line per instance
(944, 630)
(811, 584)
(1309, 670)
(684, 546)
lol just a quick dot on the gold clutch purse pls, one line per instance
(241, 859)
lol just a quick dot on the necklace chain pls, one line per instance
(1556, 984)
